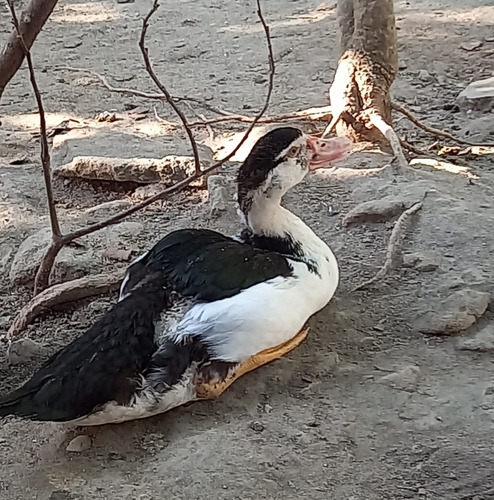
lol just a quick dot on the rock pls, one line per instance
(118, 145)
(257, 426)
(144, 192)
(23, 350)
(218, 195)
(79, 444)
(5, 254)
(478, 95)
(425, 76)
(4, 321)
(483, 340)
(379, 210)
(479, 129)
(458, 312)
(404, 380)
(71, 263)
(421, 262)
(168, 170)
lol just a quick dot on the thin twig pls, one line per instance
(268, 94)
(320, 113)
(378, 121)
(168, 97)
(392, 246)
(61, 294)
(45, 152)
(435, 131)
(139, 93)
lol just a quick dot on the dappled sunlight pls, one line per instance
(30, 121)
(316, 15)
(89, 12)
(479, 15)
(443, 166)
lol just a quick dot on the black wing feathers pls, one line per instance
(209, 266)
(100, 366)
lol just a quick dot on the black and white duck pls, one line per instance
(199, 309)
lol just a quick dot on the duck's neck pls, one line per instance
(275, 228)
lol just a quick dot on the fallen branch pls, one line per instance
(392, 246)
(394, 141)
(435, 131)
(61, 294)
(22, 37)
(139, 93)
(319, 113)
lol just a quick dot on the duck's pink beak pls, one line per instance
(327, 151)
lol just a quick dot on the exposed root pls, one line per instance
(61, 294)
(435, 131)
(394, 141)
(393, 246)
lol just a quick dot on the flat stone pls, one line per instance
(71, 263)
(118, 156)
(79, 444)
(482, 341)
(478, 95)
(405, 380)
(479, 130)
(217, 193)
(421, 262)
(23, 350)
(458, 312)
(379, 210)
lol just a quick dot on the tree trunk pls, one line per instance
(31, 21)
(366, 69)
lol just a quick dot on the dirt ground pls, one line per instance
(368, 407)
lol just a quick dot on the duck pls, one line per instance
(199, 309)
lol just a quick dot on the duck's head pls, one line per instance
(280, 160)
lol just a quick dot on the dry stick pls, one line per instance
(61, 294)
(168, 97)
(139, 93)
(435, 131)
(394, 141)
(318, 113)
(42, 276)
(392, 246)
(54, 249)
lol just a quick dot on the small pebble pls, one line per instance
(257, 426)
(79, 444)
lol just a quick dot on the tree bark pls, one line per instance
(31, 21)
(366, 69)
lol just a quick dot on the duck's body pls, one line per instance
(195, 313)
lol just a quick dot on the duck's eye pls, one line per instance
(293, 151)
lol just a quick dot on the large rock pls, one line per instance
(114, 155)
(71, 263)
(478, 95)
(458, 312)
(380, 210)
(482, 341)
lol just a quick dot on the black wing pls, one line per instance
(100, 366)
(207, 265)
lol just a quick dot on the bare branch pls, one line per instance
(45, 152)
(388, 132)
(144, 95)
(392, 246)
(168, 97)
(435, 131)
(61, 294)
(22, 37)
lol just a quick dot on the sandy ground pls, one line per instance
(324, 422)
